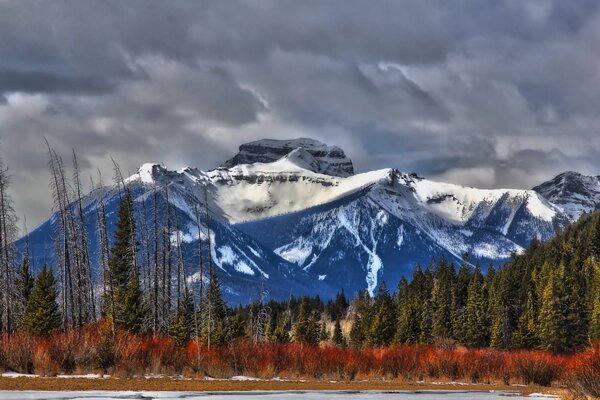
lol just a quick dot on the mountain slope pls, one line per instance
(281, 224)
(574, 193)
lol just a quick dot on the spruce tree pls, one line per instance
(215, 324)
(594, 330)
(306, 328)
(459, 300)
(552, 335)
(126, 299)
(362, 319)
(42, 315)
(442, 301)
(323, 334)
(383, 326)
(476, 332)
(338, 337)
(24, 283)
(281, 334)
(182, 323)
(407, 331)
(526, 334)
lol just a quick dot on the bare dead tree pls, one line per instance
(156, 262)
(210, 271)
(63, 256)
(104, 251)
(8, 233)
(87, 287)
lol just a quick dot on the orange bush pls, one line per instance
(585, 373)
(96, 348)
(537, 367)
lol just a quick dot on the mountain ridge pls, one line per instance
(288, 227)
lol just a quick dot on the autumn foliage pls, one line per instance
(96, 349)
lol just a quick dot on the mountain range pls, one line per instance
(293, 217)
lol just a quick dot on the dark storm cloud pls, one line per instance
(482, 92)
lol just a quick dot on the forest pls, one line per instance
(535, 319)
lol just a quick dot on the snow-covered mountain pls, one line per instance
(292, 217)
(330, 160)
(574, 193)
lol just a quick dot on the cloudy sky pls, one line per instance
(483, 93)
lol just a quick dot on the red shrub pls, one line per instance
(585, 373)
(16, 352)
(537, 367)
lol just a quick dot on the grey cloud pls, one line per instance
(493, 93)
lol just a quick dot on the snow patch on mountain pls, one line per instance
(574, 193)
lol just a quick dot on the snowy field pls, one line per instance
(289, 395)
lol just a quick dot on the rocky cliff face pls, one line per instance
(574, 193)
(331, 160)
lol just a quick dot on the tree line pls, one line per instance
(546, 298)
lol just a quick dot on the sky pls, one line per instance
(484, 93)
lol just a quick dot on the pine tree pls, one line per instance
(306, 328)
(182, 322)
(24, 283)
(426, 322)
(215, 329)
(238, 326)
(281, 334)
(338, 337)
(476, 333)
(459, 300)
(383, 326)
(362, 319)
(126, 299)
(323, 334)
(442, 301)
(178, 329)
(408, 310)
(526, 334)
(551, 319)
(594, 330)
(42, 315)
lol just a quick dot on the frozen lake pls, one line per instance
(288, 395)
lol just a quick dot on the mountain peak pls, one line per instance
(148, 173)
(573, 192)
(328, 160)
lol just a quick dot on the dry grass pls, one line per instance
(193, 385)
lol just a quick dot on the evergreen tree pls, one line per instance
(24, 283)
(594, 330)
(306, 328)
(383, 326)
(526, 334)
(338, 337)
(362, 319)
(476, 332)
(426, 324)
(126, 300)
(442, 301)
(238, 326)
(281, 334)
(182, 323)
(214, 331)
(323, 334)
(42, 315)
(459, 300)
(551, 319)
(407, 331)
